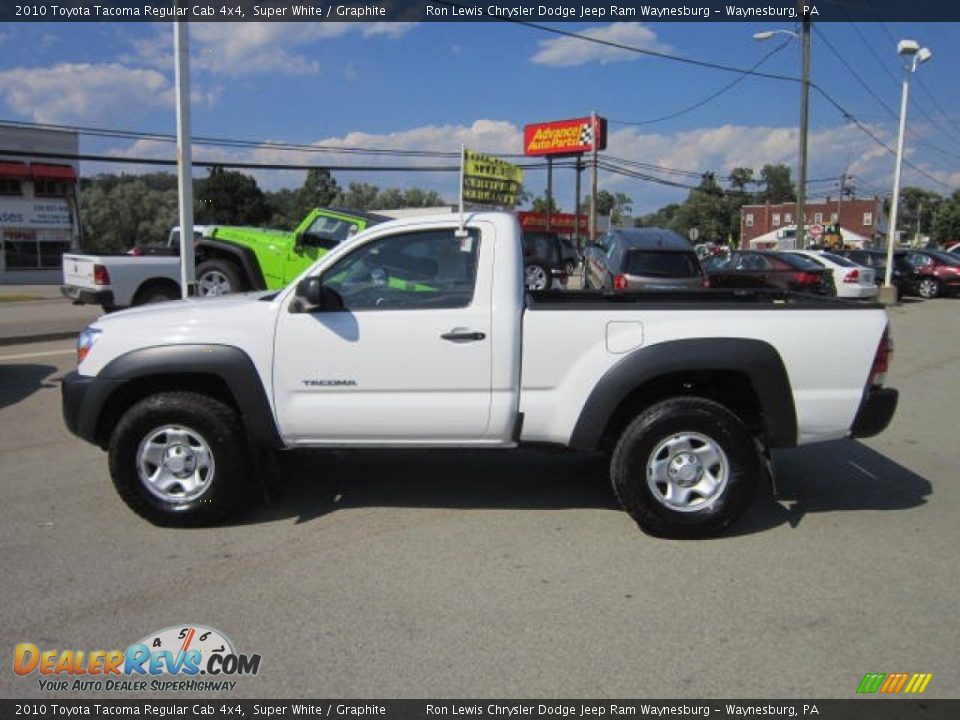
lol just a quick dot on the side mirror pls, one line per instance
(312, 294)
(314, 240)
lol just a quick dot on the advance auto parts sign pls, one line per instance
(490, 181)
(564, 137)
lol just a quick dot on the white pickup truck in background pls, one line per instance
(413, 334)
(125, 280)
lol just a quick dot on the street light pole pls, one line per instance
(804, 38)
(804, 120)
(916, 55)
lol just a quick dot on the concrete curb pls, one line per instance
(45, 337)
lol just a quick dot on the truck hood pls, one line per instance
(191, 311)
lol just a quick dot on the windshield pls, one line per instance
(661, 264)
(842, 261)
(947, 258)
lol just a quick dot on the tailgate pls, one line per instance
(78, 271)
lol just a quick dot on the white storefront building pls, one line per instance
(38, 199)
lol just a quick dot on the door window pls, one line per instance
(432, 269)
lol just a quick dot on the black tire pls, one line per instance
(671, 421)
(928, 288)
(219, 276)
(535, 273)
(570, 266)
(154, 292)
(226, 483)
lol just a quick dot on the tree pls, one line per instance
(946, 228)
(622, 206)
(540, 205)
(777, 184)
(358, 196)
(706, 210)
(665, 217)
(739, 195)
(229, 198)
(120, 211)
(319, 189)
(917, 203)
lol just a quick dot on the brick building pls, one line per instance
(863, 217)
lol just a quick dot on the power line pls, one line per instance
(865, 86)
(728, 68)
(656, 53)
(710, 97)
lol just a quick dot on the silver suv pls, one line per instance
(642, 258)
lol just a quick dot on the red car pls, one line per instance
(937, 272)
(767, 269)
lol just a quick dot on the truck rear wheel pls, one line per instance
(218, 277)
(179, 459)
(685, 467)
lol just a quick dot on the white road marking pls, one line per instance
(863, 470)
(46, 353)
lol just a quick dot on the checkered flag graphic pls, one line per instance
(586, 134)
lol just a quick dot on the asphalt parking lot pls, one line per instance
(462, 574)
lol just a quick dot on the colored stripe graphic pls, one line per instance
(894, 683)
(871, 682)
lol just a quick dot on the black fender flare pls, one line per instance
(758, 360)
(233, 366)
(243, 256)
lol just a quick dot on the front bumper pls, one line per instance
(875, 413)
(86, 296)
(83, 398)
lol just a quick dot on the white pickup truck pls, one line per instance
(414, 334)
(135, 278)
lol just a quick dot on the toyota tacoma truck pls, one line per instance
(418, 333)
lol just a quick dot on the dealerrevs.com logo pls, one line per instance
(183, 657)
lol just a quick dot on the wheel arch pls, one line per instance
(156, 282)
(746, 376)
(244, 257)
(219, 371)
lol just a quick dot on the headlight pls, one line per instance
(85, 342)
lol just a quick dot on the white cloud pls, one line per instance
(567, 51)
(235, 49)
(71, 92)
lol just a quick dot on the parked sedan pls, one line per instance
(937, 272)
(849, 279)
(642, 258)
(768, 269)
(903, 275)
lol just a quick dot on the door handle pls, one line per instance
(457, 336)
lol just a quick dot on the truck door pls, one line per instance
(408, 358)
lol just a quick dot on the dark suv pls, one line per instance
(642, 258)
(544, 266)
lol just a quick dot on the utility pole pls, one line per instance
(804, 117)
(916, 238)
(181, 45)
(593, 179)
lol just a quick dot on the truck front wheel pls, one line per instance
(685, 467)
(179, 459)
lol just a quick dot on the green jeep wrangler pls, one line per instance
(235, 259)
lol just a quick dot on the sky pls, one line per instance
(434, 86)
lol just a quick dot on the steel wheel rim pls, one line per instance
(535, 277)
(175, 464)
(213, 282)
(687, 472)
